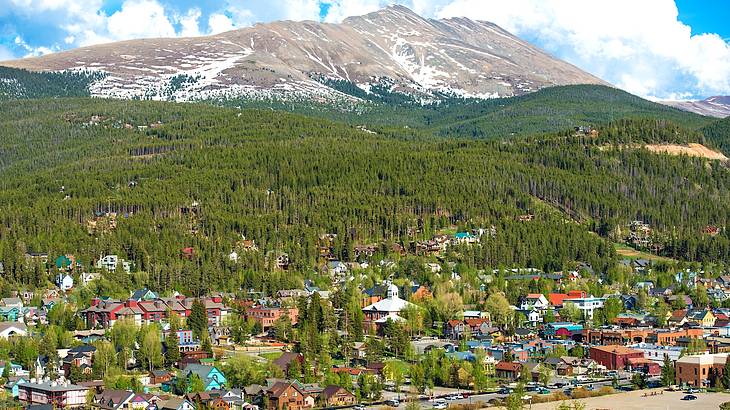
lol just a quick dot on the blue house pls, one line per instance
(143, 294)
(12, 386)
(212, 378)
(9, 314)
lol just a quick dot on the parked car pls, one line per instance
(359, 407)
(440, 405)
(689, 397)
(674, 387)
(693, 391)
(393, 403)
(543, 390)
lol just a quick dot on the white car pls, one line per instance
(440, 405)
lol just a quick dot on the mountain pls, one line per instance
(393, 49)
(717, 106)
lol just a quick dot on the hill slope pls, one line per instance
(393, 48)
(187, 175)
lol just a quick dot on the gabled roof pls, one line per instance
(508, 366)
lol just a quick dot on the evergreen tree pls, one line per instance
(667, 375)
(197, 321)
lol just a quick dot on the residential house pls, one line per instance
(704, 318)
(9, 329)
(175, 403)
(454, 329)
(12, 385)
(159, 376)
(110, 263)
(111, 399)
(65, 282)
(336, 396)
(508, 370)
(289, 395)
(284, 361)
(213, 379)
(534, 301)
(144, 294)
(587, 305)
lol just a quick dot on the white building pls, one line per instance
(534, 301)
(65, 282)
(8, 329)
(385, 309)
(587, 305)
(110, 262)
(657, 352)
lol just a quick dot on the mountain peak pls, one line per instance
(392, 48)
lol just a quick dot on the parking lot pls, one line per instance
(635, 400)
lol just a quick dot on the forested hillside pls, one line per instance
(185, 175)
(548, 110)
(718, 133)
(16, 83)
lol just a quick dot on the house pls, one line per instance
(336, 396)
(144, 294)
(12, 385)
(704, 318)
(175, 403)
(508, 370)
(534, 301)
(15, 369)
(159, 376)
(556, 300)
(336, 268)
(678, 317)
(454, 329)
(64, 282)
(110, 263)
(284, 361)
(87, 277)
(288, 395)
(15, 302)
(10, 314)
(60, 395)
(111, 399)
(213, 379)
(614, 357)
(698, 370)
(9, 329)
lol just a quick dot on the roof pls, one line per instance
(333, 389)
(285, 359)
(617, 349)
(508, 366)
(53, 386)
(280, 387)
(7, 325)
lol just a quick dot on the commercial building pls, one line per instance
(698, 370)
(614, 357)
(60, 395)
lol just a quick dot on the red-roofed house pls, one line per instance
(508, 370)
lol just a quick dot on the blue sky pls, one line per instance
(661, 49)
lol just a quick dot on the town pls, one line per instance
(415, 329)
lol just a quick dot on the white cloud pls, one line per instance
(640, 46)
(140, 19)
(219, 23)
(31, 51)
(189, 23)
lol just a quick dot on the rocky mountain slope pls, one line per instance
(718, 106)
(392, 49)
